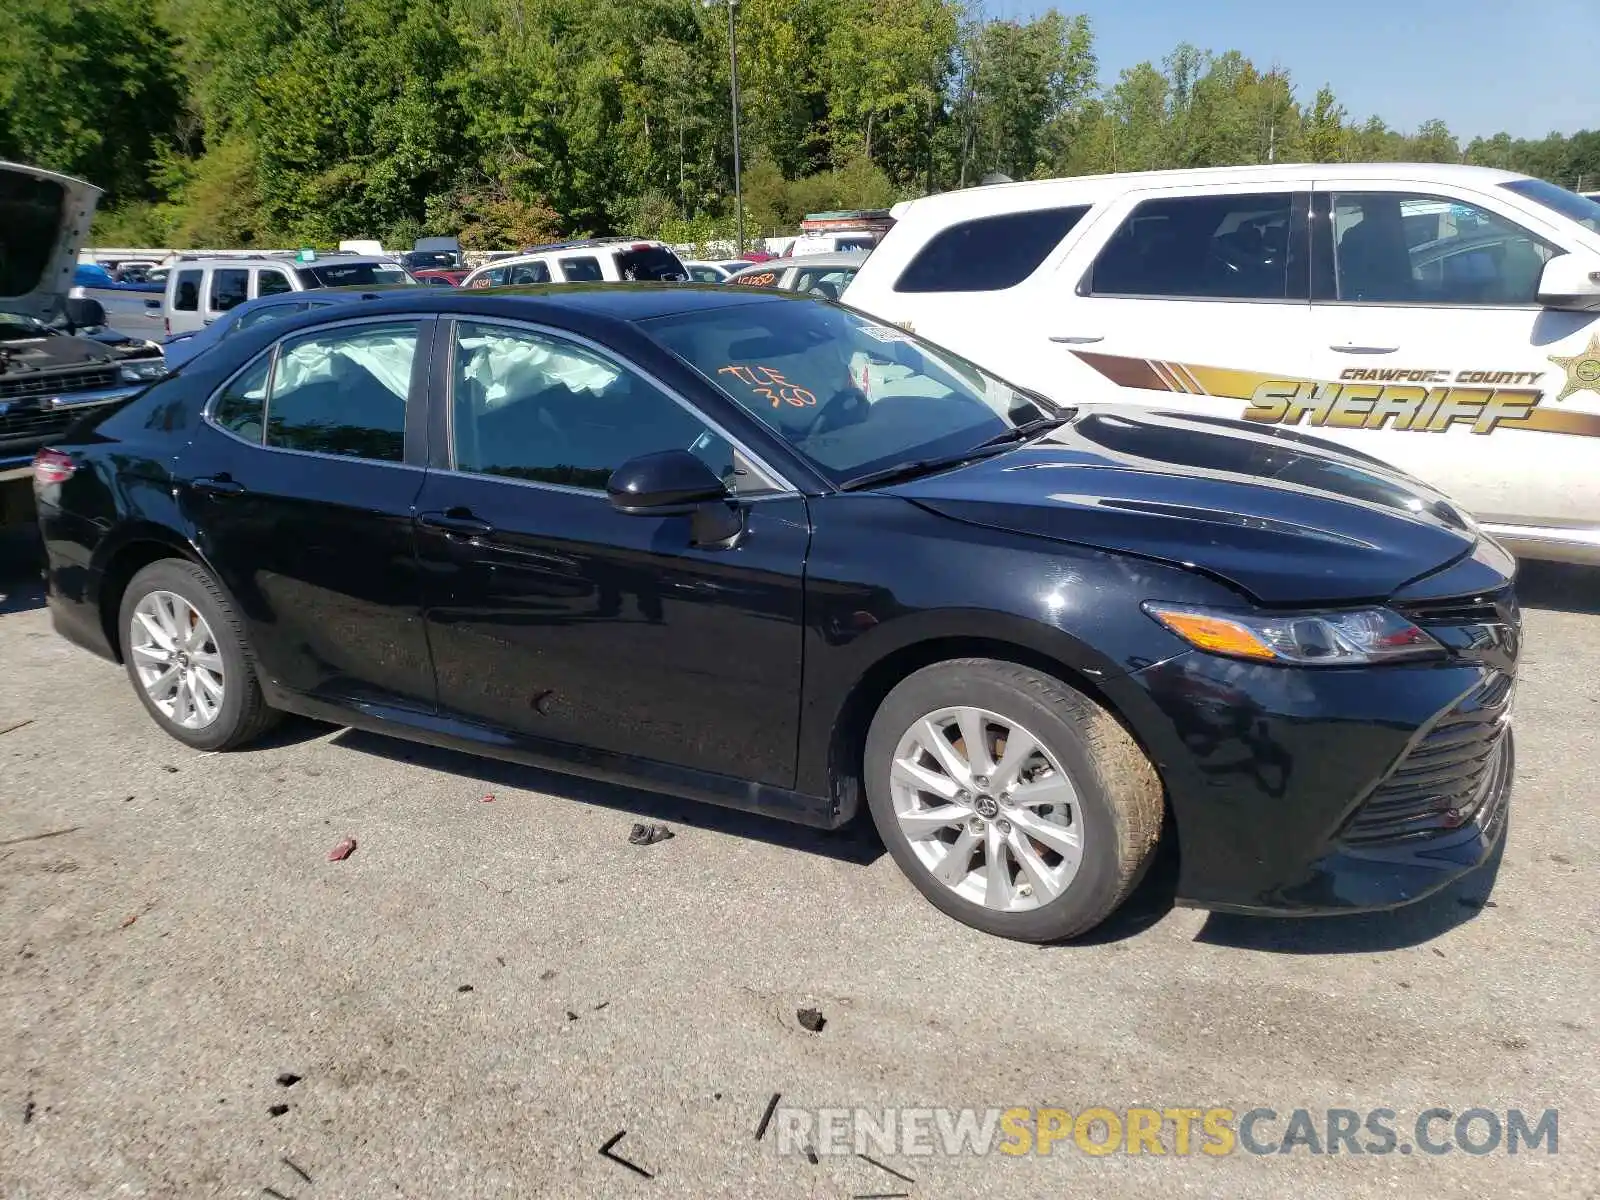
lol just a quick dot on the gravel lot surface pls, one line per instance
(485, 993)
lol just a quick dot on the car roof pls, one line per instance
(836, 258)
(1093, 189)
(282, 260)
(624, 302)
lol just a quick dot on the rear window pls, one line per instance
(352, 275)
(30, 213)
(990, 253)
(652, 263)
(581, 270)
(186, 296)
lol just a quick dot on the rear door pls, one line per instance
(1191, 298)
(1433, 353)
(300, 486)
(226, 289)
(554, 616)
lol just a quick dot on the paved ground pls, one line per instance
(173, 938)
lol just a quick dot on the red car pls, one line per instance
(440, 277)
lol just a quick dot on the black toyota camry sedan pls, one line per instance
(763, 551)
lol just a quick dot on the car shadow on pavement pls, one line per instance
(1558, 586)
(1362, 933)
(21, 561)
(856, 843)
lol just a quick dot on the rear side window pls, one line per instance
(243, 403)
(186, 297)
(581, 270)
(229, 289)
(651, 263)
(532, 272)
(1203, 247)
(272, 283)
(990, 253)
(344, 392)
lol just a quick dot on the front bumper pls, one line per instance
(1301, 791)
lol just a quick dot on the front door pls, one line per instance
(300, 492)
(553, 615)
(1436, 356)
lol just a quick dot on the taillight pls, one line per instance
(52, 466)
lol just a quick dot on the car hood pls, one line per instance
(44, 218)
(1286, 518)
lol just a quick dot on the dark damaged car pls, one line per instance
(763, 551)
(58, 361)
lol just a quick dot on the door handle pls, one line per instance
(456, 523)
(1070, 339)
(1352, 348)
(217, 485)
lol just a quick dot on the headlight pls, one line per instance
(1337, 639)
(143, 370)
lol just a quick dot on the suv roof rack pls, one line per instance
(586, 243)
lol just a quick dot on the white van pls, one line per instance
(200, 290)
(591, 260)
(1443, 318)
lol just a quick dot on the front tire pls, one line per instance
(1012, 801)
(185, 653)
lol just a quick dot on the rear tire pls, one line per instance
(185, 653)
(1041, 845)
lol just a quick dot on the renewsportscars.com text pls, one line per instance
(1179, 1132)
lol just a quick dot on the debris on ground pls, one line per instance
(501, 959)
(649, 834)
(128, 920)
(170, 770)
(27, 1112)
(288, 1079)
(51, 833)
(296, 1168)
(547, 975)
(275, 1194)
(571, 1016)
(601, 1005)
(343, 850)
(766, 1116)
(277, 1110)
(884, 1167)
(465, 987)
(810, 1020)
(18, 725)
(605, 1152)
(488, 798)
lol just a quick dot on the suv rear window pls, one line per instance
(989, 253)
(1233, 247)
(186, 297)
(653, 262)
(352, 275)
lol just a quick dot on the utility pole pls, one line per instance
(733, 88)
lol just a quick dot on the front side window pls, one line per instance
(706, 275)
(851, 394)
(581, 270)
(1233, 247)
(229, 289)
(1395, 248)
(988, 254)
(186, 296)
(531, 406)
(272, 283)
(827, 282)
(529, 272)
(343, 391)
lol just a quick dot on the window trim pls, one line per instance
(417, 397)
(1299, 218)
(1324, 269)
(780, 484)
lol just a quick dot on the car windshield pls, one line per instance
(853, 395)
(352, 275)
(1569, 204)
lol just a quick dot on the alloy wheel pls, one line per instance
(987, 808)
(177, 660)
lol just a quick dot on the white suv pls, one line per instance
(592, 260)
(1443, 318)
(200, 290)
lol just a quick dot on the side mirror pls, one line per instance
(83, 313)
(1571, 281)
(671, 483)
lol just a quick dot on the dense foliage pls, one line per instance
(237, 122)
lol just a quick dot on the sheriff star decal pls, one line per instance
(1583, 370)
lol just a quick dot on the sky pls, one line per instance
(1524, 66)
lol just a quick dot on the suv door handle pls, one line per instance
(1070, 339)
(1352, 348)
(217, 485)
(457, 522)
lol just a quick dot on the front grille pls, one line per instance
(1446, 777)
(58, 383)
(1492, 608)
(36, 424)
